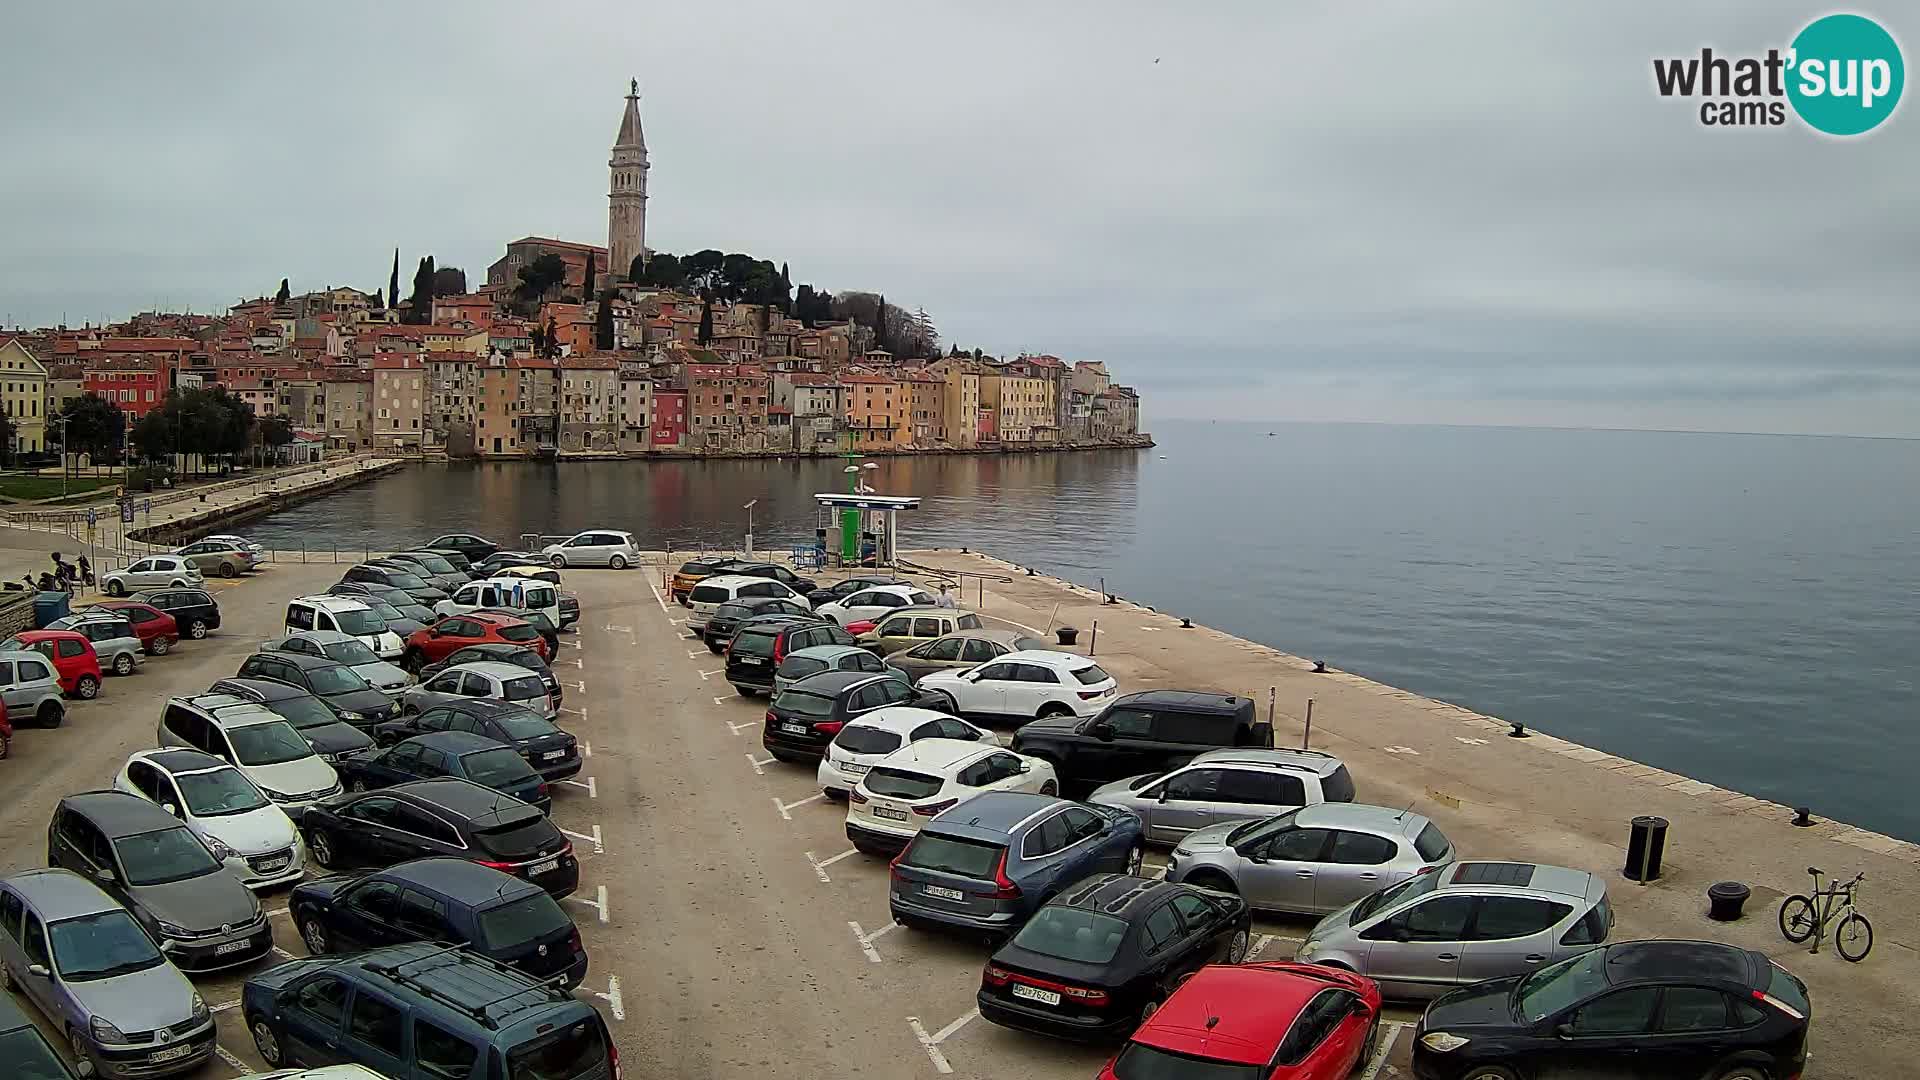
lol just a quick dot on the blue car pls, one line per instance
(992, 861)
(487, 762)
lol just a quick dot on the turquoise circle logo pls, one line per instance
(1846, 74)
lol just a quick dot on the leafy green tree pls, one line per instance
(94, 426)
(275, 432)
(540, 275)
(378, 300)
(553, 338)
(7, 435)
(449, 281)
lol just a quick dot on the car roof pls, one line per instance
(1384, 820)
(896, 589)
(462, 880)
(899, 719)
(490, 707)
(456, 742)
(1681, 961)
(1233, 1012)
(498, 669)
(1186, 701)
(267, 689)
(49, 634)
(120, 814)
(493, 648)
(324, 637)
(463, 797)
(1120, 895)
(940, 755)
(465, 984)
(1314, 761)
(779, 621)
(60, 894)
(1048, 657)
(1534, 877)
(730, 581)
(331, 602)
(826, 652)
(230, 711)
(993, 816)
(179, 760)
(833, 682)
(303, 661)
(23, 654)
(490, 618)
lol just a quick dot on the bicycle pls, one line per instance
(1803, 917)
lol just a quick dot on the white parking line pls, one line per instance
(572, 644)
(612, 629)
(1385, 1048)
(615, 1005)
(232, 1062)
(1260, 943)
(931, 1043)
(695, 654)
(758, 764)
(709, 674)
(586, 748)
(783, 807)
(737, 728)
(224, 1006)
(599, 847)
(580, 685)
(593, 791)
(575, 661)
(866, 940)
(283, 954)
(274, 912)
(599, 906)
(658, 599)
(820, 865)
(581, 713)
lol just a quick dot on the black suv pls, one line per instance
(309, 716)
(446, 900)
(552, 753)
(350, 697)
(1148, 732)
(726, 618)
(195, 610)
(806, 716)
(759, 644)
(457, 818)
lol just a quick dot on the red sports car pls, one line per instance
(432, 644)
(156, 629)
(1278, 1021)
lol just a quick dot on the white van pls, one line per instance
(711, 592)
(524, 594)
(347, 615)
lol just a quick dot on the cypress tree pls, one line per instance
(603, 325)
(706, 318)
(586, 288)
(282, 296)
(393, 282)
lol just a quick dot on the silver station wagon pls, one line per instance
(1314, 859)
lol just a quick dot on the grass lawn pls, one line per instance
(41, 486)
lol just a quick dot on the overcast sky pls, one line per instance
(1449, 213)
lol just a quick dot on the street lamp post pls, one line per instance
(749, 509)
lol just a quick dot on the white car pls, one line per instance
(872, 736)
(711, 592)
(258, 742)
(517, 593)
(915, 783)
(595, 547)
(1026, 685)
(871, 605)
(391, 679)
(347, 614)
(495, 679)
(255, 839)
(152, 572)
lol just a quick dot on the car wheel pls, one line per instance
(314, 933)
(87, 688)
(618, 562)
(1053, 709)
(834, 794)
(1489, 1072)
(197, 629)
(6, 751)
(123, 664)
(1742, 1072)
(50, 714)
(227, 570)
(6, 980)
(1372, 1044)
(413, 661)
(1050, 788)
(557, 561)
(265, 1041)
(1237, 948)
(159, 646)
(1218, 882)
(947, 704)
(1149, 1009)
(115, 587)
(1135, 857)
(320, 846)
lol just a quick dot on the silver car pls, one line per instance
(152, 572)
(338, 645)
(1314, 859)
(815, 659)
(494, 679)
(95, 974)
(1227, 785)
(1466, 923)
(31, 689)
(596, 547)
(962, 649)
(227, 558)
(112, 635)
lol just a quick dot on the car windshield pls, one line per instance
(268, 744)
(302, 712)
(732, 612)
(563, 1055)
(386, 611)
(521, 632)
(709, 594)
(753, 643)
(1138, 1061)
(403, 580)
(901, 784)
(32, 1058)
(1091, 674)
(1086, 937)
(1393, 896)
(335, 679)
(101, 946)
(495, 767)
(526, 658)
(350, 652)
(802, 703)
(521, 921)
(221, 791)
(1551, 989)
(525, 688)
(434, 563)
(863, 739)
(362, 623)
(157, 858)
(1255, 831)
(952, 855)
(521, 724)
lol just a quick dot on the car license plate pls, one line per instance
(232, 947)
(544, 867)
(751, 660)
(1034, 993)
(943, 893)
(890, 813)
(794, 729)
(852, 768)
(271, 865)
(171, 1053)
(554, 755)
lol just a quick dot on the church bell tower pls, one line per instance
(627, 191)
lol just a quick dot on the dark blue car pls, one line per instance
(992, 861)
(461, 754)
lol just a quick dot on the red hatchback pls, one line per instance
(74, 660)
(156, 629)
(1278, 1021)
(432, 644)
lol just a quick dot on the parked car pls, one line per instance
(513, 593)
(203, 918)
(157, 630)
(394, 578)
(726, 619)
(1636, 1008)
(693, 571)
(1311, 860)
(956, 649)
(30, 690)
(330, 737)
(411, 610)
(711, 592)
(228, 558)
(923, 779)
(806, 716)
(840, 590)
(239, 541)
(908, 627)
(195, 611)
(482, 679)
(461, 754)
(445, 636)
(451, 901)
(338, 686)
(569, 603)
(988, 865)
(152, 572)
(1151, 731)
(553, 753)
(253, 739)
(75, 664)
(597, 547)
(502, 652)
(1467, 923)
(474, 547)
(446, 581)
(84, 961)
(548, 630)
(1274, 1021)
(869, 605)
(251, 835)
(455, 558)
(864, 741)
(479, 1016)
(760, 645)
(781, 574)
(1023, 686)
(1100, 957)
(443, 572)
(499, 560)
(344, 615)
(447, 816)
(814, 659)
(1227, 785)
(112, 637)
(344, 648)
(6, 734)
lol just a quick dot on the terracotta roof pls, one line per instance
(392, 362)
(779, 410)
(865, 379)
(547, 241)
(726, 371)
(811, 378)
(590, 362)
(146, 344)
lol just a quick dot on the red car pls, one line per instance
(156, 629)
(432, 644)
(1278, 1021)
(74, 660)
(6, 733)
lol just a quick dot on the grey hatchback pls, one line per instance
(1313, 859)
(992, 861)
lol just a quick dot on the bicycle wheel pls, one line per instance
(1854, 938)
(1796, 918)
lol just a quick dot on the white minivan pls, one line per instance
(523, 594)
(711, 592)
(347, 615)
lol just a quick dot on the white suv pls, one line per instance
(1026, 685)
(871, 605)
(915, 783)
(595, 547)
(711, 592)
(872, 736)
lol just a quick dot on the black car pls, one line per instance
(1092, 960)
(840, 590)
(340, 687)
(506, 654)
(457, 558)
(1637, 1008)
(500, 560)
(1148, 732)
(446, 900)
(781, 574)
(552, 753)
(316, 723)
(475, 548)
(536, 619)
(392, 577)
(728, 616)
(760, 642)
(806, 716)
(456, 818)
(195, 610)
(437, 571)
(487, 762)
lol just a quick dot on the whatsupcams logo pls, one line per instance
(1842, 75)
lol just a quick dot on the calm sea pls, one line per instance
(1737, 608)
